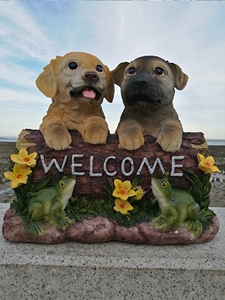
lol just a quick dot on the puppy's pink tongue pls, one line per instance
(89, 94)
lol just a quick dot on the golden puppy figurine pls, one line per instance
(147, 89)
(77, 84)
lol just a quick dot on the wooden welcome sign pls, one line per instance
(94, 165)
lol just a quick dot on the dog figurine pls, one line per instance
(147, 89)
(77, 83)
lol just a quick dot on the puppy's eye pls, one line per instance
(99, 68)
(159, 71)
(72, 65)
(131, 71)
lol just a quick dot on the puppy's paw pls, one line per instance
(130, 135)
(57, 137)
(131, 142)
(170, 135)
(95, 131)
(94, 135)
(169, 143)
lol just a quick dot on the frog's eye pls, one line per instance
(61, 183)
(164, 184)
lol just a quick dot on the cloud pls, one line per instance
(22, 33)
(24, 97)
(17, 75)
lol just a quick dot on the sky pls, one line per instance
(190, 34)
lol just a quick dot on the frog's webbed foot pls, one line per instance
(160, 221)
(63, 223)
(35, 227)
(58, 217)
(164, 221)
(60, 221)
(194, 226)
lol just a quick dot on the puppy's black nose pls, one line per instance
(91, 76)
(141, 83)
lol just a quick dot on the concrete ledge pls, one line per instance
(113, 270)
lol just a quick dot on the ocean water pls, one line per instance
(216, 142)
(8, 139)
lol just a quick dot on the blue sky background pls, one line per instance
(190, 34)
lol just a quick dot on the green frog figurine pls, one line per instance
(178, 208)
(48, 204)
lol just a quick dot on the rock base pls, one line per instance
(101, 229)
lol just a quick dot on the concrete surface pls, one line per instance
(113, 270)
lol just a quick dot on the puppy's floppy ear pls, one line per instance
(109, 94)
(46, 81)
(118, 73)
(180, 78)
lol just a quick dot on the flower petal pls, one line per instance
(23, 152)
(15, 184)
(129, 206)
(131, 193)
(127, 185)
(212, 169)
(118, 183)
(9, 175)
(15, 158)
(23, 158)
(116, 193)
(210, 160)
(33, 155)
(123, 197)
(139, 194)
(24, 170)
(207, 164)
(200, 157)
(122, 206)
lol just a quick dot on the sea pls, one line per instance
(211, 142)
(8, 139)
(216, 142)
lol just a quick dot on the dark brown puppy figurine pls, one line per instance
(147, 89)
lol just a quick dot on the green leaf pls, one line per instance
(193, 179)
(207, 189)
(41, 184)
(135, 182)
(206, 218)
(205, 179)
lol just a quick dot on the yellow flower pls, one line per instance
(123, 190)
(18, 176)
(207, 164)
(23, 158)
(122, 206)
(139, 194)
